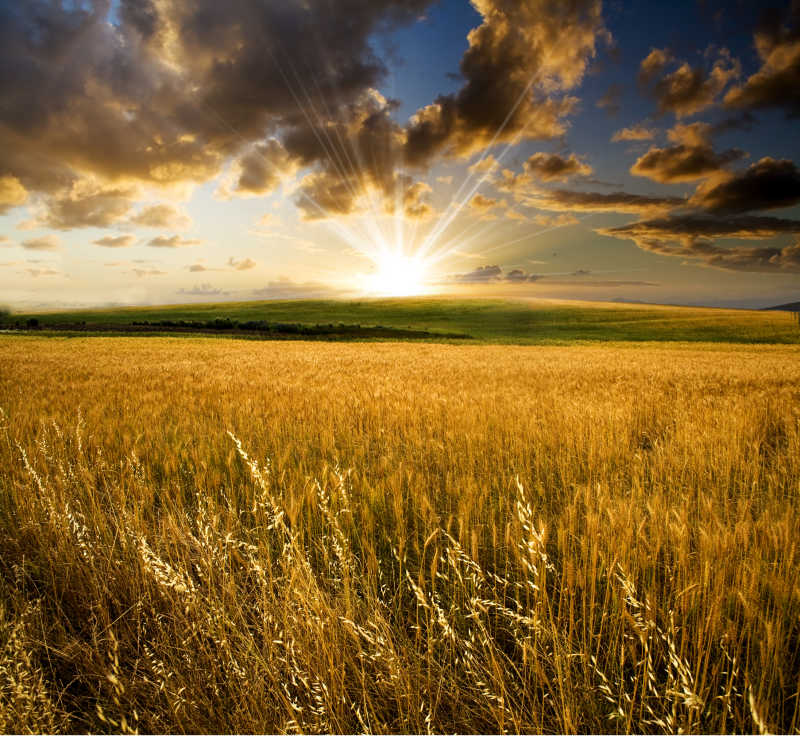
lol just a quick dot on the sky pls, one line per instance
(173, 151)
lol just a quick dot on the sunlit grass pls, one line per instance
(230, 536)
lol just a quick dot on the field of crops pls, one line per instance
(235, 536)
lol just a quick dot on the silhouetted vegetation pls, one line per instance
(257, 328)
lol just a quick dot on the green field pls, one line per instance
(485, 320)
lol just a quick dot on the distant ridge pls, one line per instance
(791, 307)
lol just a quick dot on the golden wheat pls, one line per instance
(205, 535)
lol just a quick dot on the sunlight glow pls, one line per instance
(397, 274)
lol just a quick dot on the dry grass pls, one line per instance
(398, 537)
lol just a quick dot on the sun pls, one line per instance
(397, 274)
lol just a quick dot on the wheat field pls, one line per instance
(204, 536)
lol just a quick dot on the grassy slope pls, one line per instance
(491, 320)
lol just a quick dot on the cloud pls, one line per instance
(242, 265)
(86, 203)
(325, 194)
(518, 59)
(174, 241)
(697, 225)
(36, 272)
(145, 272)
(653, 64)
(767, 184)
(484, 165)
(204, 289)
(540, 167)
(357, 160)
(495, 275)
(47, 242)
(155, 97)
(564, 200)
(692, 236)
(285, 288)
(482, 206)
(482, 203)
(753, 259)
(610, 101)
(556, 220)
(416, 201)
(688, 90)
(263, 167)
(512, 214)
(552, 167)
(12, 193)
(692, 158)
(635, 133)
(161, 216)
(777, 83)
(480, 275)
(118, 241)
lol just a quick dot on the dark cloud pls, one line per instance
(170, 90)
(87, 203)
(767, 184)
(693, 225)
(693, 235)
(521, 55)
(115, 241)
(754, 259)
(495, 275)
(692, 158)
(358, 158)
(777, 83)
(552, 167)
(326, 194)
(744, 121)
(610, 101)
(539, 167)
(518, 276)
(263, 167)
(481, 275)
(687, 90)
(565, 200)
(653, 64)
(173, 241)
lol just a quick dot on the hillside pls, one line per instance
(439, 318)
(790, 307)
